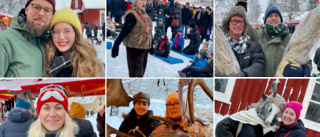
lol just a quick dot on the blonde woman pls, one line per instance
(68, 54)
(173, 113)
(53, 120)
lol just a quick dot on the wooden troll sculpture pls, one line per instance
(117, 96)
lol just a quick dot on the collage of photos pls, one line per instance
(147, 68)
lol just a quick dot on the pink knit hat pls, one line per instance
(296, 106)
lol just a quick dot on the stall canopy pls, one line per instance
(10, 88)
(6, 15)
(73, 87)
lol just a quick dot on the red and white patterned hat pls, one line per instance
(52, 93)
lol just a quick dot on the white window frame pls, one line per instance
(102, 11)
(307, 99)
(76, 4)
(226, 96)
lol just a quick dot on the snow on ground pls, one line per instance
(117, 67)
(99, 48)
(218, 118)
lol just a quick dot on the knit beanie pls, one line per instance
(180, 30)
(21, 102)
(53, 3)
(66, 15)
(296, 106)
(77, 110)
(141, 96)
(192, 25)
(161, 10)
(234, 11)
(52, 93)
(271, 9)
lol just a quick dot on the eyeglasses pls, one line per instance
(66, 33)
(235, 22)
(174, 105)
(52, 86)
(37, 8)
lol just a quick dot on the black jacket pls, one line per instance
(208, 24)
(194, 44)
(145, 124)
(298, 130)
(88, 29)
(252, 62)
(149, 11)
(61, 65)
(116, 7)
(186, 15)
(101, 124)
(85, 128)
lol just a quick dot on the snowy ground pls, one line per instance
(117, 67)
(99, 48)
(93, 120)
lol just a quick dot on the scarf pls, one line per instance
(177, 40)
(274, 30)
(251, 117)
(240, 45)
(59, 62)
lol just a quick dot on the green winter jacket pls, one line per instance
(21, 54)
(273, 48)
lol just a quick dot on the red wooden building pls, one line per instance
(233, 95)
(91, 11)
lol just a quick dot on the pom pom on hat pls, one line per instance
(52, 93)
(77, 110)
(66, 15)
(296, 106)
(21, 102)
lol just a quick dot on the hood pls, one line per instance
(19, 114)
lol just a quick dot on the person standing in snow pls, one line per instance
(22, 50)
(186, 18)
(136, 35)
(139, 117)
(101, 123)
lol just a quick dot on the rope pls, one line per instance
(275, 102)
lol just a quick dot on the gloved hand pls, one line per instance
(291, 68)
(115, 51)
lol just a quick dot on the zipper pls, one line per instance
(41, 55)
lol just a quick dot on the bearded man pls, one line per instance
(22, 51)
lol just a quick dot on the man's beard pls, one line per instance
(34, 29)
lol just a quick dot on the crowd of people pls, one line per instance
(53, 118)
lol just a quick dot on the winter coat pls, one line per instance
(88, 29)
(21, 53)
(160, 28)
(146, 125)
(203, 18)
(163, 47)
(198, 21)
(197, 130)
(101, 124)
(205, 72)
(149, 10)
(163, 19)
(200, 63)
(186, 16)
(117, 8)
(170, 11)
(95, 29)
(85, 128)
(273, 48)
(208, 23)
(180, 42)
(194, 44)
(298, 130)
(252, 62)
(18, 123)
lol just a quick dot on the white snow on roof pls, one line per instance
(62, 3)
(94, 4)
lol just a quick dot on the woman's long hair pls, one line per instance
(69, 129)
(84, 60)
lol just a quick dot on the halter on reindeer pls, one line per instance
(259, 120)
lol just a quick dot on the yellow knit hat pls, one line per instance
(77, 110)
(66, 15)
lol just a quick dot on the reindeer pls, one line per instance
(259, 120)
(117, 96)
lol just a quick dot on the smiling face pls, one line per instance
(273, 19)
(235, 30)
(141, 108)
(141, 4)
(52, 116)
(173, 112)
(37, 23)
(289, 116)
(63, 37)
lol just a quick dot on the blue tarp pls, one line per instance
(189, 56)
(171, 60)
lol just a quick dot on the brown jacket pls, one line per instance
(139, 38)
(196, 130)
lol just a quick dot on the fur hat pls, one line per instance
(272, 9)
(141, 96)
(21, 102)
(234, 11)
(52, 93)
(66, 15)
(296, 106)
(53, 3)
(77, 110)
